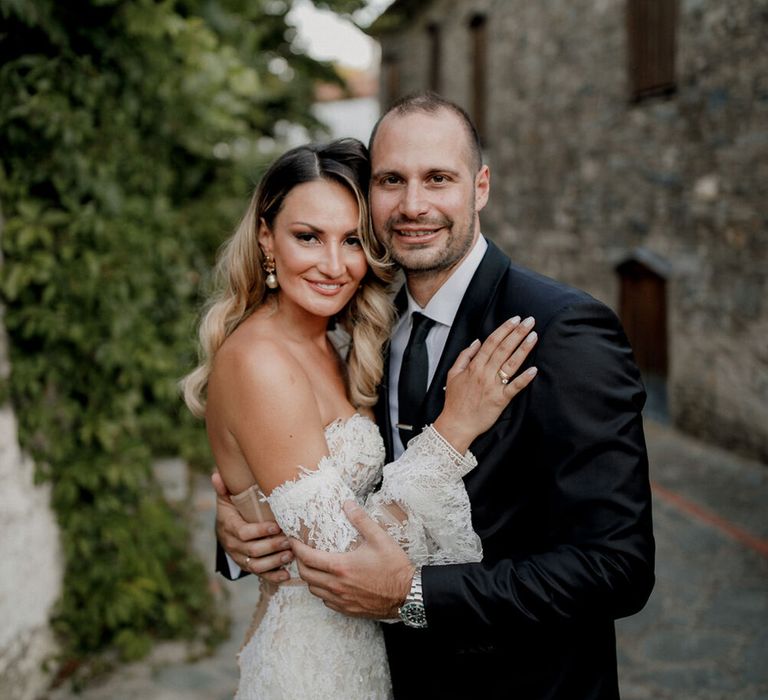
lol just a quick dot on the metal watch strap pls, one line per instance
(412, 611)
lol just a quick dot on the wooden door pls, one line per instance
(643, 311)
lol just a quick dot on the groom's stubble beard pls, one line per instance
(452, 251)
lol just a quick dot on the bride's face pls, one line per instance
(315, 242)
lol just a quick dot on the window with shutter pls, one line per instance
(435, 57)
(390, 65)
(478, 74)
(651, 43)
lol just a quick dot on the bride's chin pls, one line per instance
(325, 313)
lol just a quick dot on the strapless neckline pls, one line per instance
(341, 421)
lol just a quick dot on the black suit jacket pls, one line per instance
(560, 499)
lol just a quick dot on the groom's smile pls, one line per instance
(418, 233)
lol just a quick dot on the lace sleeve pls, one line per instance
(422, 502)
(310, 508)
(424, 505)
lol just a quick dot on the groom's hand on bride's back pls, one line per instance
(259, 548)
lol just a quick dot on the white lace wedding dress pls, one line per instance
(298, 649)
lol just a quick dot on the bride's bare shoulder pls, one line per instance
(252, 357)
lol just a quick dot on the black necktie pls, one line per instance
(412, 385)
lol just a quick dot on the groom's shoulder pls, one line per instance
(536, 293)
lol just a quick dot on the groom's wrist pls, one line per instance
(404, 583)
(412, 611)
(402, 586)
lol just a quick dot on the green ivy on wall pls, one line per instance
(127, 128)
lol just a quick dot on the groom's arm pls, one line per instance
(371, 580)
(585, 429)
(600, 561)
(244, 548)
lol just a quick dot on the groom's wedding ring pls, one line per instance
(505, 378)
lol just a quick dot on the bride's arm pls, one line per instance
(263, 400)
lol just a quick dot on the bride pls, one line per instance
(288, 414)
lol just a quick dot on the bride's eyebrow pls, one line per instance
(352, 232)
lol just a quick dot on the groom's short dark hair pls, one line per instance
(430, 102)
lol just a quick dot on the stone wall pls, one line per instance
(583, 178)
(30, 562)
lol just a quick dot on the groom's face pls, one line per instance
(425, 190)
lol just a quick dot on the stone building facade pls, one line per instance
(628, 145)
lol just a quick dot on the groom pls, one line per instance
(560, 498)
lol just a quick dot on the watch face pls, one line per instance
(413, 615)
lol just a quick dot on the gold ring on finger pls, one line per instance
(505, 378)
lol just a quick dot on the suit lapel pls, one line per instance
(467, 325)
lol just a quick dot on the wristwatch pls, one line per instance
(412, 611)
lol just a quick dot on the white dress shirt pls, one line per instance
(442, 308)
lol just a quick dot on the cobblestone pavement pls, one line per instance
(704, 633)
(702, 636)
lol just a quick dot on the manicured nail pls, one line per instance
(285, 544)
(475, 343)
(286, 557)
(514, 320)
(273, 529)
(531, 371)
(531, 338)
(528, 322)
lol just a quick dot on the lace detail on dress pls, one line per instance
(358, 451)
(310, 508)
(304, 650)
(431, 443)
(301, 649)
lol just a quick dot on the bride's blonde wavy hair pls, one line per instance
(240, 286)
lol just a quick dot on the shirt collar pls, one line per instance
(442, 307)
